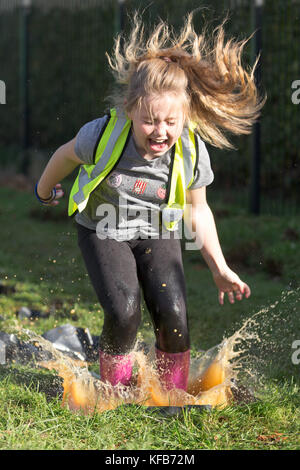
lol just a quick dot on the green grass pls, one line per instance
(29, 421)
(39, 257)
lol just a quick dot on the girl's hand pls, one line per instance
(59, 194)
(228, 281)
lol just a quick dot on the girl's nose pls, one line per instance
(160, 130)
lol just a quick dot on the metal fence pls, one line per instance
(54, 77)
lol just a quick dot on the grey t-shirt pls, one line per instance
(128, 202)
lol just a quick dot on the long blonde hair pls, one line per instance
(220, 95)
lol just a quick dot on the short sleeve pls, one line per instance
(88, 138)
(203, 172)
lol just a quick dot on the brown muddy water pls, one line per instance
(214, 379)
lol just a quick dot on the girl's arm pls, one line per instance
(60, 165)
(200, 221)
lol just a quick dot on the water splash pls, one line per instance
(214, 376)
(210, 380)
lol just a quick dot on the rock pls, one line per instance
(14, 350)
(77, 341)
(25, 312)
(2, 352)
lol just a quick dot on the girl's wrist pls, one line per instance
(216, 266)
(219, 270)
(43, 195)
(45, 199)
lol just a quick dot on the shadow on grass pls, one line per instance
(36, 380)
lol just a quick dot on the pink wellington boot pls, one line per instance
(173, 369)
(115, 368)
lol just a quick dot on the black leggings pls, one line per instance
(117, 269)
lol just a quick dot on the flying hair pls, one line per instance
(219, 94)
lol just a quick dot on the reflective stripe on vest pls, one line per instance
(109, 151)
(185, 159)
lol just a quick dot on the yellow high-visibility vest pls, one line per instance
(109, 150)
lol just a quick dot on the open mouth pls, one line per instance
(158, 145)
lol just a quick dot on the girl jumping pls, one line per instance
(142, 168)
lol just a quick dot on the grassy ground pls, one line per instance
(40, 259)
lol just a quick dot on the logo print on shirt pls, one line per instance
(139, 187)
(161, 192)
(114, 180)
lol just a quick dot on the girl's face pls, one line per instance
(157, 124)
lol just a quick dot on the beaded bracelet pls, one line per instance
(45, 201)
